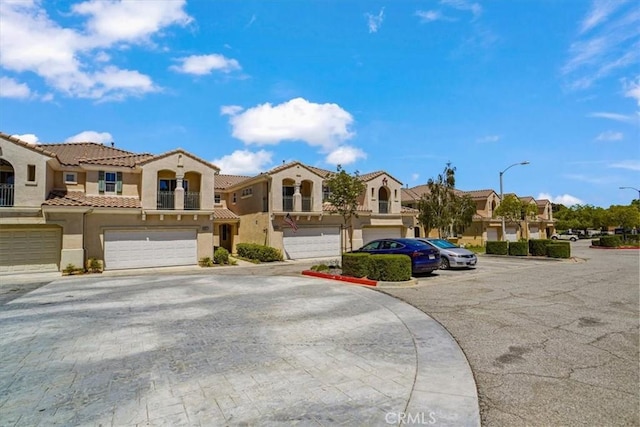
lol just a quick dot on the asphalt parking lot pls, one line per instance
(550, 343)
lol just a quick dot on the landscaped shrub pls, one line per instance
(538, 247)
(632, 238)
(320, 267)
(497, 248)
(94, 265)
(390, 268)
(258, 252)
(355, 264)
(610, 241)
(559, 250)
(595, 242)
(205, 262)
(518, 248)
(221, 256)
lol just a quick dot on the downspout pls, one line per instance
(84, 233)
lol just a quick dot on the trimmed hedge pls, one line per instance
(518, 248)
(595, 242)
(261, 253)
(390, 268)
(221, 256)
(632, 238)
(497, 248)
(559, 250)
(610, 241)
(356, 264)
(538, 247)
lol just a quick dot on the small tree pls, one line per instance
(463, 210)
(510, 209)
(344, 191)
(437, 207)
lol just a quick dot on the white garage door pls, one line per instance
(311, 242)
(149, 248)
(511, 234)
(492, 234)
(534, 232)
(373, 233)
(26, 250)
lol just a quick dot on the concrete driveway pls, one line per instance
(550, 343)
(214, 349)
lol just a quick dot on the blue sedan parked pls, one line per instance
(424, 258)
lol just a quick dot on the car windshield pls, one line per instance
(443, 244)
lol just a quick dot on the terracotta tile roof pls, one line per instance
(328, 207)
(181, 151)
(406, 209)
(129, 160)
(527, 199)
(78, 198)
(74, 153)
(322, 172)
(542, 202)
(223, 182)
(224, 213)
(33, 147)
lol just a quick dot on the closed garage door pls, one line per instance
(154, 248)
(534, 232)
(311, 242)
(26, 249)
(511, 234)
(492, 234)
(373, 233)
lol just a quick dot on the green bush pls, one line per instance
(205, 262)
(497, 248)
(221, 256)
(94, 265)
(320, 267)
(559, 250)
(355, 264)
(632, 238)
(595, 242)
(538, 247)
(258, 252)
(390, 268)
(610, 241)
(519, 248)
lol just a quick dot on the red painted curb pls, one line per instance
(355, 280)
(619, 247)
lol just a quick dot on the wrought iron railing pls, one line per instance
(166, 200)
(6, 195)
(192, 200)
(383, 206)
(287, 203)
(307, 204)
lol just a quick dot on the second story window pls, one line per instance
(235, 198)
(326, 192)
(31, 173)
(247, 192)
(70, 178)
(109, 182)
(216, 198)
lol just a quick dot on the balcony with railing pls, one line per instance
(192, 200)
(383, 206)
(287, 203)
(307, 204)
(166, 200)
(6, 195)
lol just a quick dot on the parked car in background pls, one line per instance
(452, 255)
(566, 235)
(424, 258)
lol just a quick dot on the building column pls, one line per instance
(179, 194)
(297, 198)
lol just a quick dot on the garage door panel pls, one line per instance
(149, 248)
(311, 243)
(27, 250)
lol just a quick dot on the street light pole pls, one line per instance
(631, 188)
(501, 194)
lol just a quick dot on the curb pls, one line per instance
(356, 280)
(619, 247)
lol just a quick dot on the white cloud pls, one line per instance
(616, 117)
(91, 136)
(10, 88)
(610, 136)
(75, 61)
(204, 64)
(632, 89)
(415, 176)
(427, 16)
(27, 137)
(345, 155)
(230, 110)
(323, 125)
(489, 138)
(375, 21)
(609, 41)
(633, 165)
(464, 5)
(244, 162)
(564, 199)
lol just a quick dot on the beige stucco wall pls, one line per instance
(183, 166)
(26, 194)
(252, 229)
(130, 182)
(59, 182)
(72, 251)
(297, 173)
(394, 189)
(97, 223)
(249, 204)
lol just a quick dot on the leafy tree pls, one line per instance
(463, 210)
(625, 216)
(344, 191)
(528, 211)
(437, 207)
(510, 209)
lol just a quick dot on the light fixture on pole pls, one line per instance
(631, 188)
(501, 195)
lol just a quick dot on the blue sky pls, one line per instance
(401, 86)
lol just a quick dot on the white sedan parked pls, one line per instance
(452, 256)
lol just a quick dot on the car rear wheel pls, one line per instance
(444, 264)
(573, 239)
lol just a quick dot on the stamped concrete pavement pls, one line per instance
(214, 350)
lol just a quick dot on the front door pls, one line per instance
(225, 237)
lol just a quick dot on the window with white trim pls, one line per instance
(247, 192)
(70, 177)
